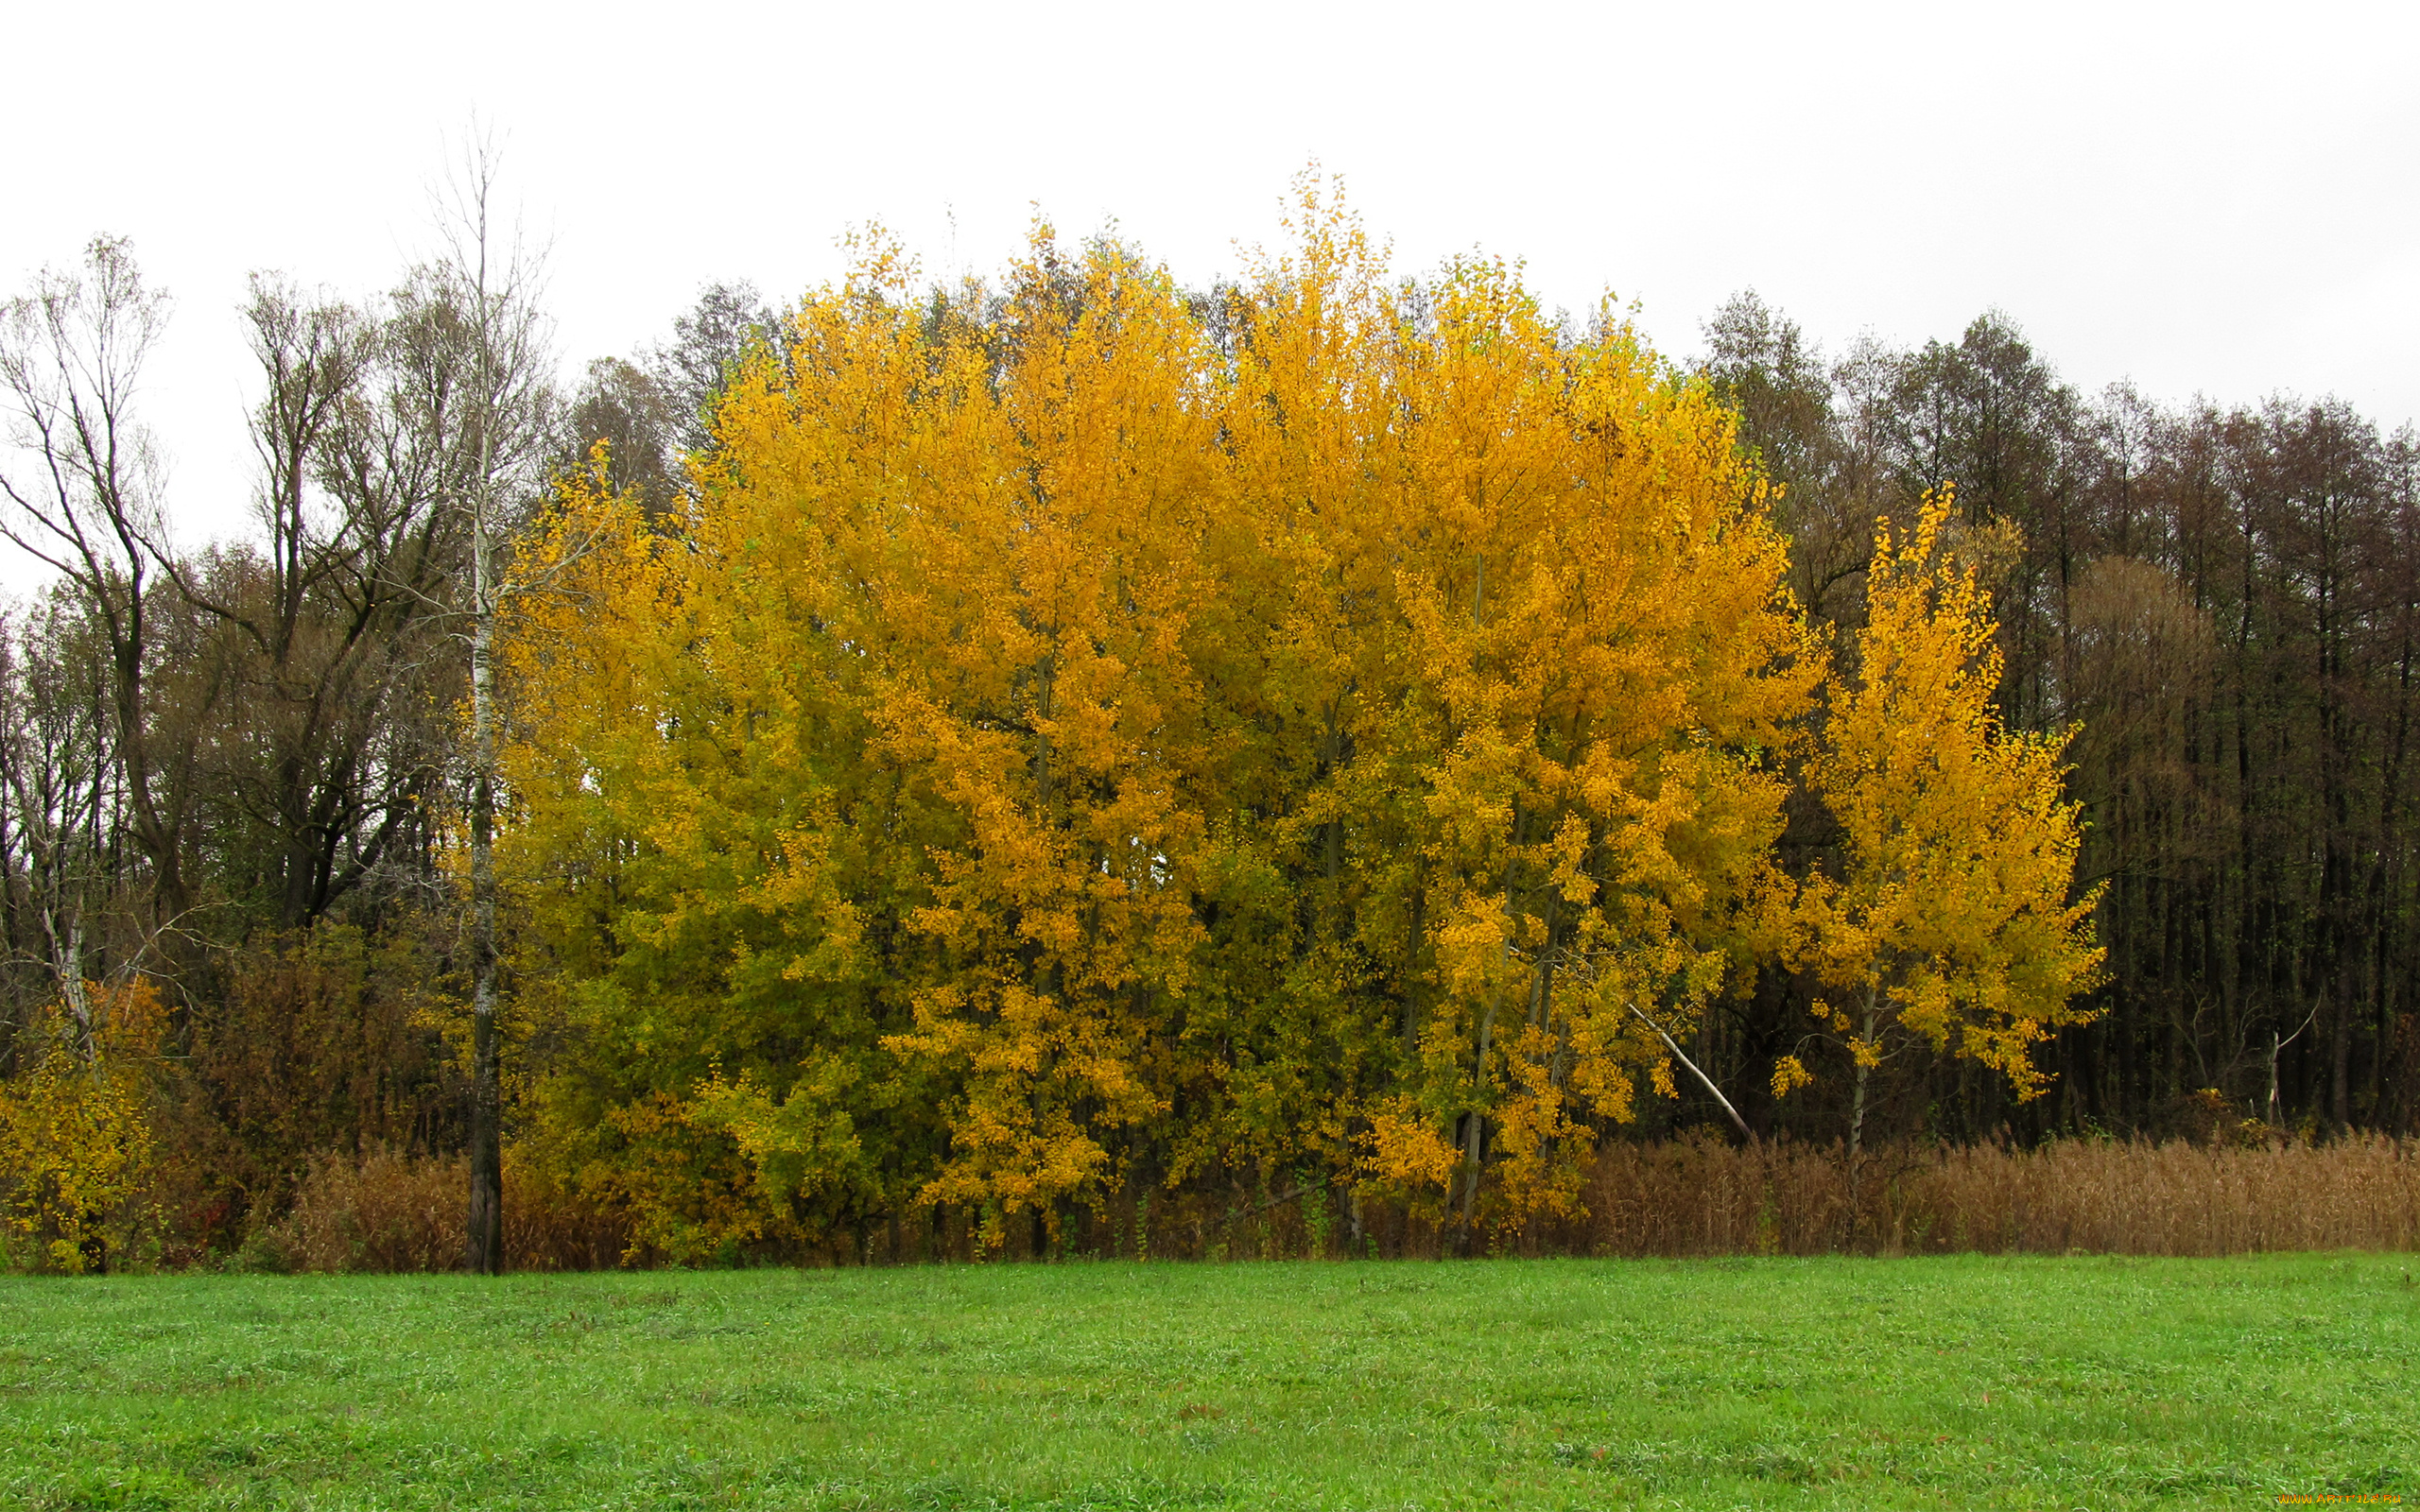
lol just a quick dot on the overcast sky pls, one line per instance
(2203, 197)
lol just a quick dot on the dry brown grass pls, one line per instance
(1701, 1196)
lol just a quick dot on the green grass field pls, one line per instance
(1960, 1383)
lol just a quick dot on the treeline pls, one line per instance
(989, 757)
(235, 782)
(2225, 603)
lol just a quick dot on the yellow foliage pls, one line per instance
(75, 1138)
(1950, 917)
(1073, 733)
(1405, 1149)
(689, 1196)
(1790, 1073)
(805, 1142)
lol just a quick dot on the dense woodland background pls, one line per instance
(235, 790)
(2225, 602)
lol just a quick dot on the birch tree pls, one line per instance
(490, 280)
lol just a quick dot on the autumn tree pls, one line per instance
(1948, 922)
(1334, 747)
(1580, 665)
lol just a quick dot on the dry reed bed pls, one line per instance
(1697, 1197)
(1705, 1197)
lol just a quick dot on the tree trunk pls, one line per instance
(1856, 1123)
(485, 1238)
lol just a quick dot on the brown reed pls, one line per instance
(1702, 1196)
(1697, 1196)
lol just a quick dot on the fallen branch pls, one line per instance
(1682, 1055)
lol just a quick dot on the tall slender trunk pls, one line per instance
(1475, 1127)
(2339, 1064)
(486, 1222)
(2385, 920)
(2270, 1113)
(156, 834)
(486, 1237)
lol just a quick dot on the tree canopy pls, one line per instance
(1078, 738)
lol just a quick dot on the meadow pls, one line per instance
(1775, 1383)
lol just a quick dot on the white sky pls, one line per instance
(2204, 197)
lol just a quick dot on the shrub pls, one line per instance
(76, 1137)
(386, 1213)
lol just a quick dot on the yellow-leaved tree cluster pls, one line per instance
(1080, 743)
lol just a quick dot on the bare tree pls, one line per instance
(59, 803)
(709, 344)
(629, 410)
(86, 501)
(340, 614)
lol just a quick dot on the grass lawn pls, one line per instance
(1956, 1382)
